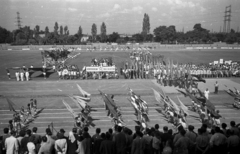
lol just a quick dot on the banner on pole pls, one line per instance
(100, 69)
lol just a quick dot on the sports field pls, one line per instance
(50, 93)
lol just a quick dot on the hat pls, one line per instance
(62, 130)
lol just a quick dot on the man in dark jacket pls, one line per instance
(107, 146)
(120, 142)
(25, 141)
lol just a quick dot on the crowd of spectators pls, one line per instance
(123, 140)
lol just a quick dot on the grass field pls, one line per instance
(50, 93)
(27, 58)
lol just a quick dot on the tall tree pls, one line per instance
(37, 30)
(94, 32)
(79, 33)
(146, 26)
(56, 28)
(46, 30)
(61, 30)
(65, 30)
(103, 32)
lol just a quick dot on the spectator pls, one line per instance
(233, 143)
(80, 149)
(128, 134)
(182, 144)
(50, 140)
(60, 144)
(62, 131)
(156, 143)
(138, 144)
(224, 128)
(120, 141)
(11, 144)
(97, 143)
(37, 141)
(45, 148)
(234, 128)
(87, 142)
(218, 142)
(72, 143)
(177, 135)
(5, 135)
(166, 136)
(107, 146)
(115, 132)
(25, 141)
(1, 144)
(202, 141)
(191, 134)
(31, 146)
(97, 135)
(148, 140)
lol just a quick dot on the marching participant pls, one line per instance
(27, 75)
(22, 74)
(17, 75)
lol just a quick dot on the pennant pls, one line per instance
(10, 105)
(69, 109)
(157, 96)
(79, 102)
(83, 92)
(183, 107)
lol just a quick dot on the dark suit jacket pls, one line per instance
(121, 143)
(107, 147)
(138, 146)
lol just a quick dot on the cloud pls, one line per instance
(116, 6)
(154, 9)
(72, 9)
(180, 3)
(104, 15)
(137, 9)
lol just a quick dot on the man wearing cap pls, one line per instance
(62, 131)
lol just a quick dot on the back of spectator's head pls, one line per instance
(10, 121)
(157, 126)
(170, 131)
(80, 138)
(217, 130)
(110, 130)
(13, 133)
(190, 128)
(29, 132)
(182, 132)
(224, 125)
(32, 139)
(6, 130)
(34, 129)
(137, 128)
(231, 132)
(119, 128)
(213, 131)
(48, 131)
(74, 130)
(139, 133)
(200, 131)
(59, 136)
(180, 128)
(232, 123)
(204, 126)
(98, 130)
(44, 139)
(22, 133)
(108, 136)
(85, 129)
(130, 132)
(165, 128)
(103, 135)
(1, 138)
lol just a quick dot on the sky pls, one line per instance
(122, 16)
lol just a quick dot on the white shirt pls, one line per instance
(31, 148)
(206, 94)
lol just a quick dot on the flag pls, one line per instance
(10, 105)
(175, 107)
(157, 96)
(69, 109)
(82, 91)
(183, 107)
(79, 102)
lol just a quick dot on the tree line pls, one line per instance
(162, 34)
